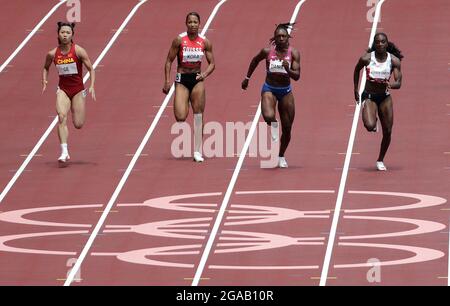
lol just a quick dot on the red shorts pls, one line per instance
(72, 91)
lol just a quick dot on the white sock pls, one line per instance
(64, 148)
(274, 129)
(198, 132)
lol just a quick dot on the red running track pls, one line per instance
(150, 238)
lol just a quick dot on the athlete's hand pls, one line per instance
(200, 77)
(92, 92)
(44, 85)
(166, 88)
(244, 84)
(286, 65)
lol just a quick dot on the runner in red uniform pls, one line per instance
(69, 59)
(190, 47)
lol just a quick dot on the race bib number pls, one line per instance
(67, 69)
(192, 55)
(276, 66)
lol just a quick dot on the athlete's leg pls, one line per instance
(369, 115)
(62, 108)
(79, 109)
(197, 98)
(286, 108)
(386, 115)
(181, 102)
(268, 109)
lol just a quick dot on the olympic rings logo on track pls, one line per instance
(233, 241)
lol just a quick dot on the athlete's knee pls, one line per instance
(78, 125)
(180, 118)
(62, 118)
(370, 126)
(286, 130)
(269, 117)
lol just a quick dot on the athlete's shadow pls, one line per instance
(71, 163)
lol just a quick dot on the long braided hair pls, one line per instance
(391, 48)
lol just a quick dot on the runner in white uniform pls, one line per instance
(380, 61)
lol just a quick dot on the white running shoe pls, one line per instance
(198, 157)
(64, 158)
(381, 166)
(282, 163)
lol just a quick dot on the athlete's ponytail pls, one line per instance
(65, 24)
(391, 47)
(284, 26)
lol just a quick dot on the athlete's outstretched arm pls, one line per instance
(170, 58)
(48, 61)
(397, 72)
(253, 64)
(363, 61)
(210, 58)
(84, 57)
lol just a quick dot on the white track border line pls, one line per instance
(55, 121)
(29, 36)
(133, 161)
(348, 155)
(233, 180)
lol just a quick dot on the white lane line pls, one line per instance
(125, 176)
(55, 120)
(233, 180)
(29, 36)
(331, 238)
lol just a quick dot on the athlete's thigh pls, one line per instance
(286, 108)
(268, 104)
(62, 103)
(181, 101)
(198, 97)
(79, 107)
(386, 112)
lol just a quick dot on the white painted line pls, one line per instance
(55, 120)
(331, 238)
(133, 161)
(29, 36)
(233, 180)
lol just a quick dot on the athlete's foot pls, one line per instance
(198, 157)
(282, 163)
(381, 166)
(64, 158)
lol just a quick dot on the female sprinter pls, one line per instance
(380, 61)
(68, 58)
(282, 64)
(190, 47)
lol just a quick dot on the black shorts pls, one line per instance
(187, 79)
(377, 98)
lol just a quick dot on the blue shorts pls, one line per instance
(278, 92)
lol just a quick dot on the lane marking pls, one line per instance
(233, 180)
(55, 120)
(340, 196)
(29, 36)
(133, 161)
